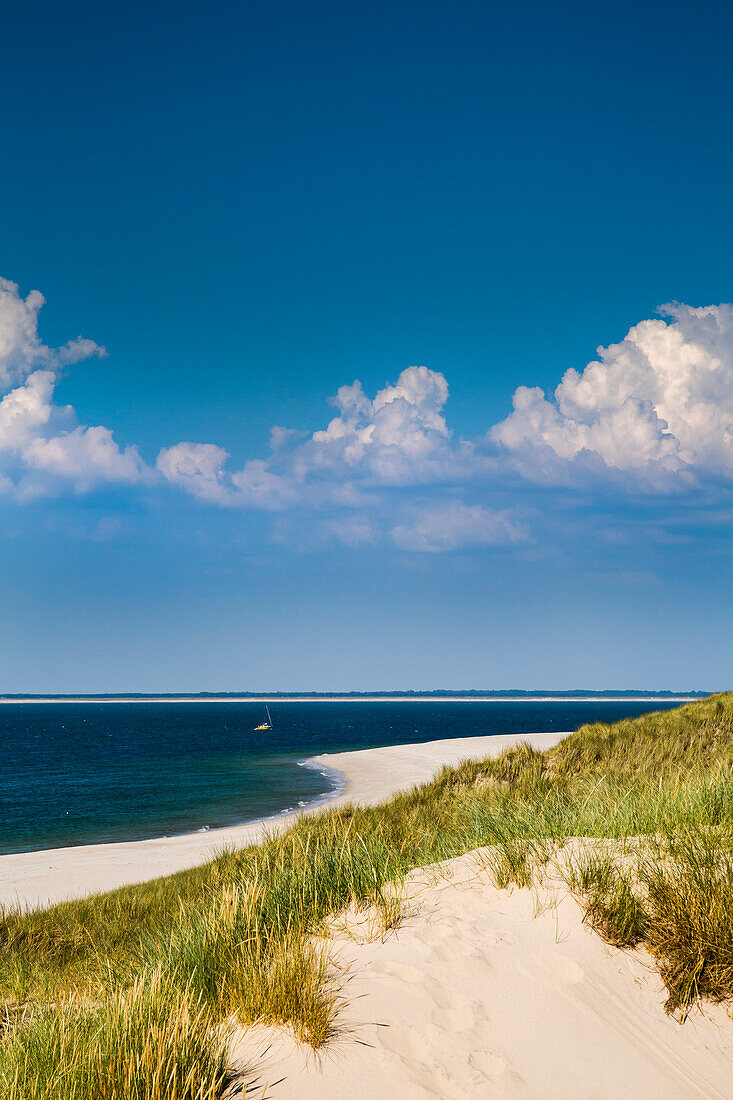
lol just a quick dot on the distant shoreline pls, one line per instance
(611, 698)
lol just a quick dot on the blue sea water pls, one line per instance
(78, 773)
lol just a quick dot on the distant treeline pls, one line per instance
(574, 693)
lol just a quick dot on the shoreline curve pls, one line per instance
(368, 776)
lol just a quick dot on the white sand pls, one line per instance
(371, 775)
(478, 995)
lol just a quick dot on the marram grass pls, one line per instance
(134, 985)
(149, 1041)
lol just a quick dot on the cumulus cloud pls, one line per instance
(398, 438)
(258, 486)
(21, 349)
(42, 447)
(453, 525)
(653, 412)
(657, 404)
(25, 411)
(85, 456)
(196, 467)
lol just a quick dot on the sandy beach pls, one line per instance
(368, 776)
(493, 993)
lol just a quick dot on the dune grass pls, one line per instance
(150, 1041)
(609, 899)
(687, 879)
(234, 939)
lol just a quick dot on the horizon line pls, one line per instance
(436, 695)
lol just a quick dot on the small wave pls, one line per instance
(335, 778)
(204, 829)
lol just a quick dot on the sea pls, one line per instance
(88, 772)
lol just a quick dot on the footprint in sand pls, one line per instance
(404, 973)
(408, 1045)
(454, 1017)
(489, 1063)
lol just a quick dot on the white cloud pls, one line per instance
(655, 411)
(399, 437)
(257, 486)
(85, 457)
(196, 467)
(42, 447)
(396, 439)
(25, 411)
(659, 403)
(21, 349)
(453, 525)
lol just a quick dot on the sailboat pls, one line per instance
(267, 724)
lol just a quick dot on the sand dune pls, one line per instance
(487, 993)
(370, 776)
(478, 993)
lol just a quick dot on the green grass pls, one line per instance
(150, 1041)
(236, 938)
(610, 902)
(687, 878)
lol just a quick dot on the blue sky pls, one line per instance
(243, 210)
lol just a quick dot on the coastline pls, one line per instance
(367, 777)
(261, 699)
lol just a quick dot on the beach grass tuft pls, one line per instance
(688, 876)
(611, 905)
